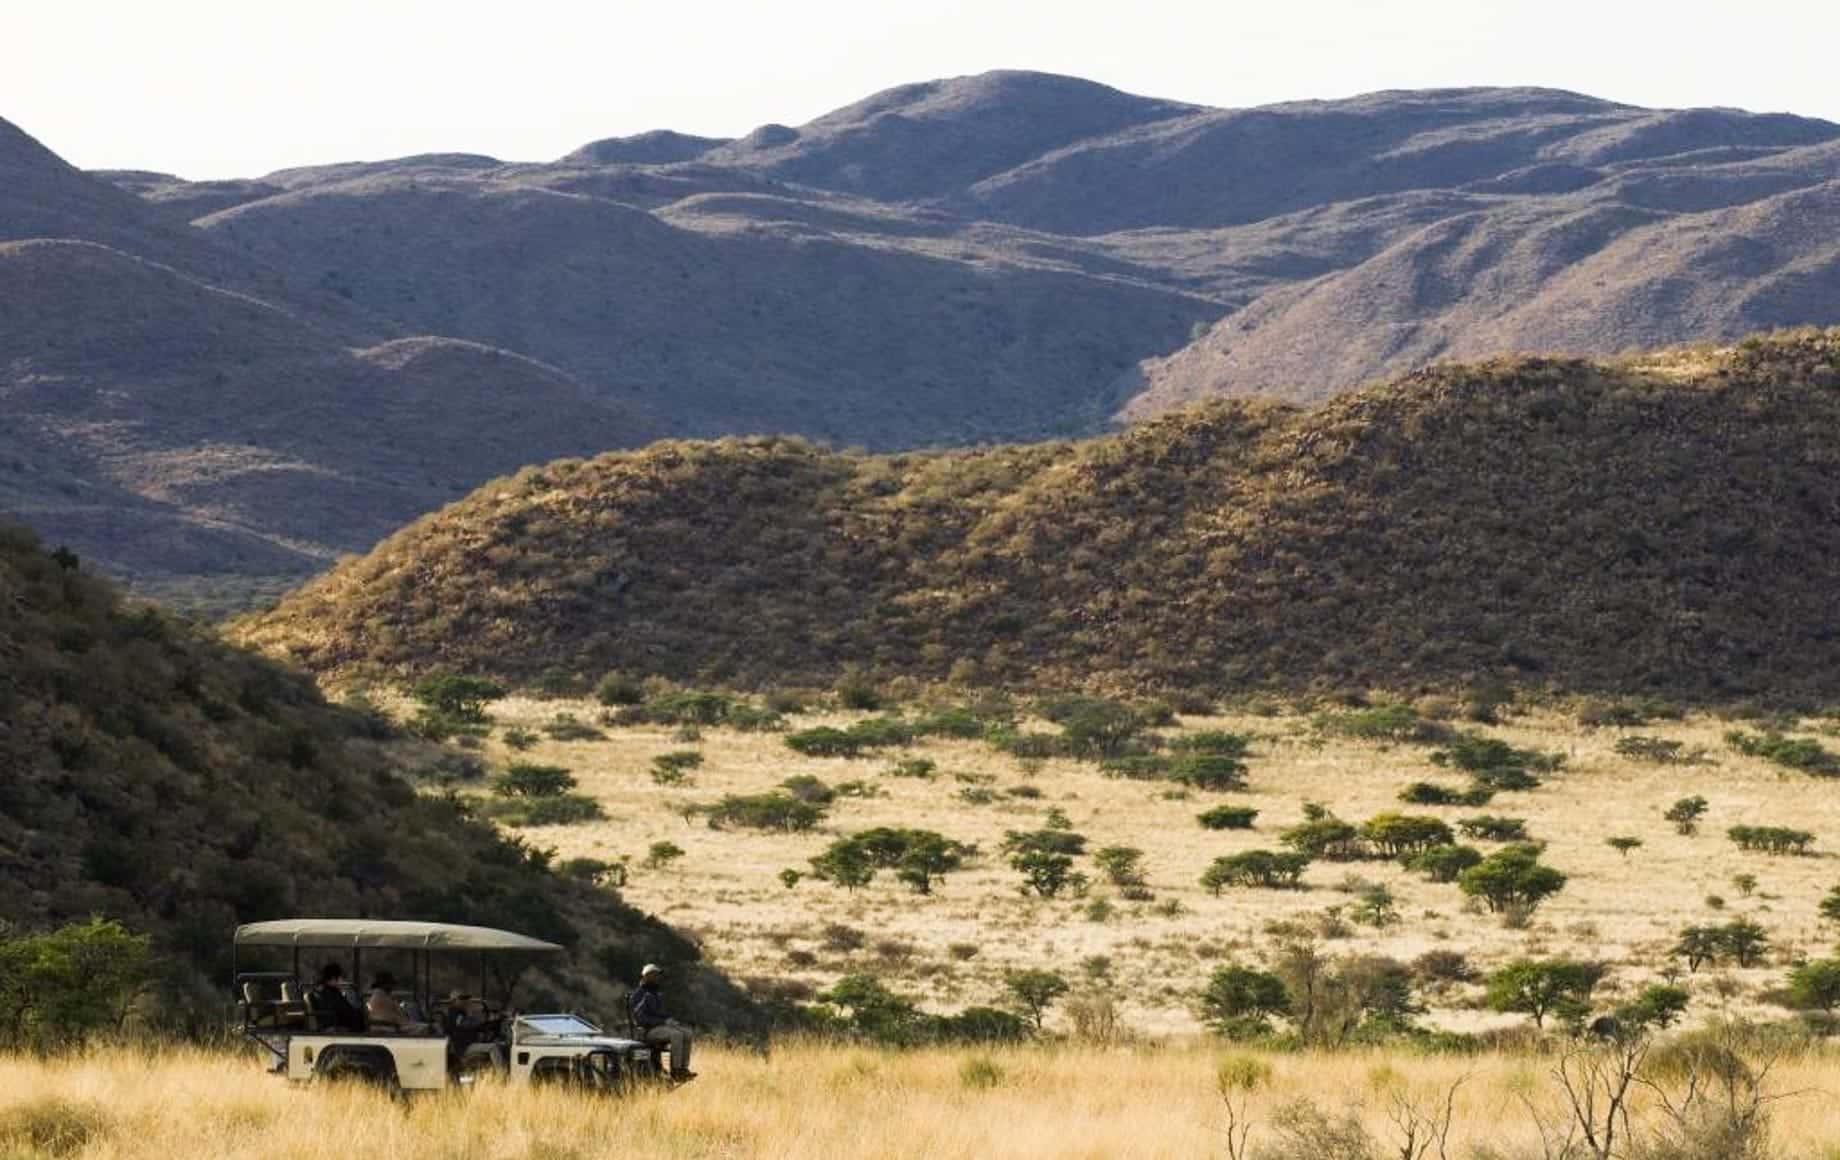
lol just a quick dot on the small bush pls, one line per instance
(840, 939)
(619, 689)
(674, 768)
(1490, 828)
(519, 739)
(1659, 751)
(809, 789)
(1443, 966)
(1228, 818)
(568, 727)
(1444, 863)
(1425, 793)
(919, 767)
(1686, 814)
(562, 809)
(527, 780)
(1804, 754)
(1771, 839)
(980, 1073)
(1260, 868)
(767, 811)
(1397, 723)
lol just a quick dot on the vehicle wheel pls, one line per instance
(477, 1068)
(371, 1068)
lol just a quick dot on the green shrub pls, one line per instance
(1034, 991)
(1397, 723)
(1799, 753)
(519, 739)
(462, 699)
(1494, 763)
(859, 695)
(1511, 880)
(1325, 837)
(1425, 793)
(1491, 828)
(1228, 818)
(824, 741)
(776, 810)
(1137, 767)
(1444, 863)
(619, 689)
(1816, 986)
(749, 719)
(674, 768)
(1686, 814)
(958, 722)
(1239, 1002)
(557, 809)
(1659, 751)
(1258, 868)
(67, 986)
(1740, 941)
(688, 707)
(1398, 835)
(1540, 988)
(528, 780)
(568, 727)
(1771, 839)
(661, 854)
(1209, 771)
(1122, 865)
(809, 789)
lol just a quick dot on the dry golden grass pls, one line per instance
(802, 1101)
(1624, 911)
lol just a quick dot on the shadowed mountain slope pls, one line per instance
(1667, 523)
(161, 778)
(1002, 257)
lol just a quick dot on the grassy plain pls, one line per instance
(808, 1100)
(950, 949)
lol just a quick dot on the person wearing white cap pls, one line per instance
(655, 1023)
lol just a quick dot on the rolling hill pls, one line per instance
(987, 259)
(1664, 523)
(158, 777)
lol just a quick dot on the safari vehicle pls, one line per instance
(458, 1040)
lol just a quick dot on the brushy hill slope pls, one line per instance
(1667, 523)
(156, 776)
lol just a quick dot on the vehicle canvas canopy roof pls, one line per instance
(364, 933)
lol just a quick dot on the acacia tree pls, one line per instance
(1512, 879)
(1540, 988)
(1034, 991)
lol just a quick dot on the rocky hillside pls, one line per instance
(1003, 257)
(159, 777)
(1664, 523)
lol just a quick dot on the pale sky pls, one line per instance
(221, 88)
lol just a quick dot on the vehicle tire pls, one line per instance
(365, 1065)
(480, 1064)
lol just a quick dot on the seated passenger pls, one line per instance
(385, 1012)
(329, 1002)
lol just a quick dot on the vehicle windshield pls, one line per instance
(559, 1025)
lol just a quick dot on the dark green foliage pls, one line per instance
(809, 789)
(568, 727)
(619, 689)
(1494, 763)
(1050, 841)
(1444, 863)
(1122, 865)
(1326, 837)
(983, 1025)
(1210, 771)
(919, 858)
(1399, 723)
(869, 733)
(1830, 905)
(1443, 966)
(457, 697)
(1227, 818)
(1625, 714)
(169, 769)
(1492, 828)
(776, 810)
(1799, 753)
(1261, 868)
(959, 722)
(920, 767)
(64, 987)
(555, 809)
(875, 1013)
(1511, 879)
(1425, 793)
(1033, 991)
(1659, 751)
(519, 739)
(1137, 767)
(1540, 988)
(1741, 941)
(687, 707)
(525, 779)
(1046, 873)
(1656, 1007)
(1771, 839)
(595, 870)
(824, 741)
(1816, 985)
(1093, 727)
(1239, 1002)
(1686, 813)
(859, 695)
(745, 718)
(674, 768)
(1398, 835)
(661, 854)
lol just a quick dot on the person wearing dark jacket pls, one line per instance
(655, 1023)
(329, 1002)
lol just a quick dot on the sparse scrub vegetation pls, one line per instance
(1802, 754)
(1228, 818)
